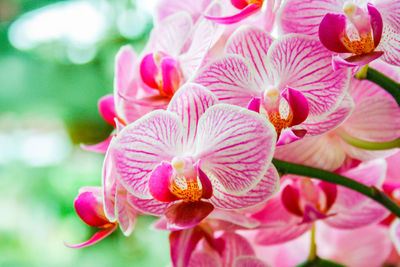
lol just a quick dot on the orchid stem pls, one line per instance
(313, 246)
(382, 80)
(372, 192)
(364, 144)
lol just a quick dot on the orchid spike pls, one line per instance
(185, 161)
(290, 89)
(89, 207)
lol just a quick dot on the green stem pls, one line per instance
(372, 192)
(382, 80)
(369, 145)
(313, 246)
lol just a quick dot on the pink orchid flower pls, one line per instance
(288, 80)
(166, 8)
(366, 246)
(195, 155)
(360, 29)
(89, 207)
(369, 114)
(303, 201)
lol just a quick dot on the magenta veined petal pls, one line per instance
(235, 145)
(149, 70)
(97, 237)
(184, 215)
(298, 104)
(244, 13)
(142, 145)
(254, 104)
(376, 23)
(159, 183)
(331, 32)
(106, 107)
(354, 61)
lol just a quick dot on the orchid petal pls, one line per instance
(299, 16)
(244, 13)
(159, 183)
(106, 107)
(233, 217)
(291, 200)
(395, 234)
(311, 214)
(165, 8)
(149, 70)
(98, 236)
(301, 62)
(331, 32)
(170, 75)
(100, 147)
(141, 146)
(298, 104)
(148, 206)
(376, 116)
(248, 261)
(367, 246)
(277, 224)
(205, 183)
(182, 244)
(171, 34)
(235, 246)
(330, 191)
(390, 44)
(126, 213)
(390, 11)
(354, 61)
(124, 70)
(88, 206)
(317, 151)
(189, 103)
(204, 259)
(289, 135)
(183, 215)
(109, 184)
(376, 23)
(236, 87)
(235, 146)
(254, 104)
(264, 189)
(251, 43)
(323, 124)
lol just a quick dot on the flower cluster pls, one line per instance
(202, 111)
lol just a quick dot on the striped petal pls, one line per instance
(251, 43)
(182, 244)
(141, 146)
(390, 44)
(390, 11)
(126, 213)
(148, 206)
(264, 189)
(235, 246)
(298, 16)
(302, 63)
(231, 79)
(189, 103)
(171, 34)
(235, 145)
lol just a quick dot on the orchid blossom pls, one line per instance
(368, 114)
(196, 155)
(365, 30)
(302, 201)
(288, 80)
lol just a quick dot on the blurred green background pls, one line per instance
(56, 61)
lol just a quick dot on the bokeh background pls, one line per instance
(56, 61)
